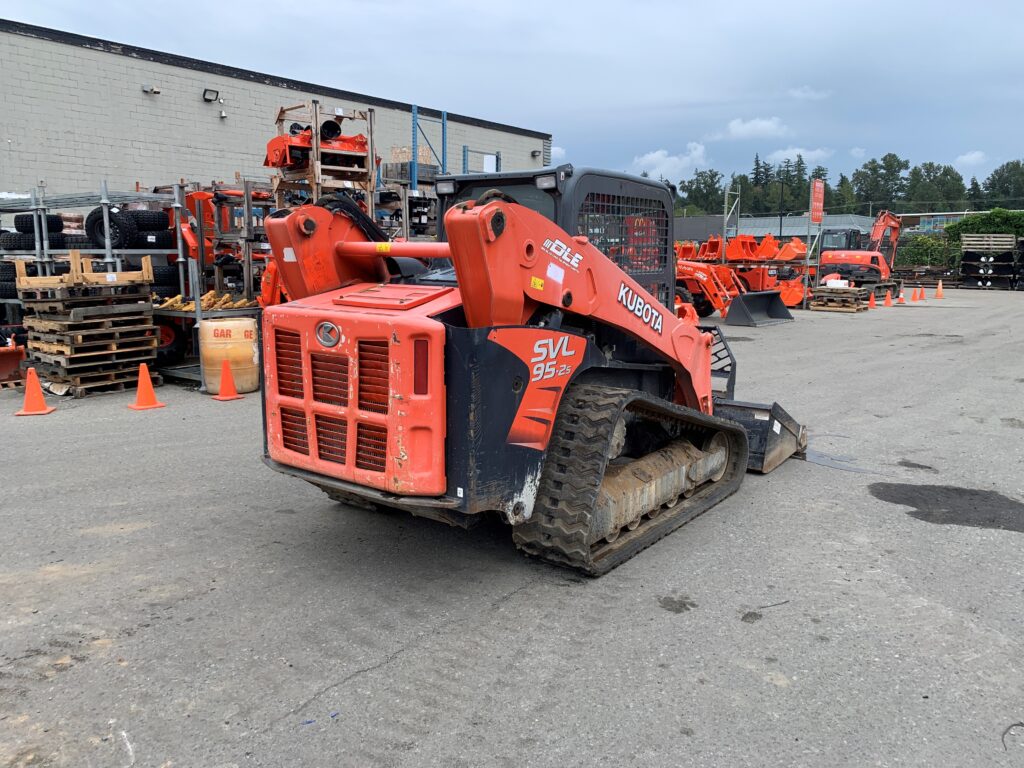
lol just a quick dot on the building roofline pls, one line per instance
(224, 70)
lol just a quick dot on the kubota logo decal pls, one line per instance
(640, 307)
(563, 253)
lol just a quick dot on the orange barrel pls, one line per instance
(232, 339)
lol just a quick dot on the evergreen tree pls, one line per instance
(975, 196)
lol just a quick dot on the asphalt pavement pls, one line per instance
(166, 600)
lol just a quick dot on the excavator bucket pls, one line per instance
(772, 434)
(757, 308)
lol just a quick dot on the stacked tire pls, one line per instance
(24, 236)
(993, 270)
(165, 281)
(7, 276)
(152, 229)
(123, 229)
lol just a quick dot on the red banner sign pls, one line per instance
(817, 200)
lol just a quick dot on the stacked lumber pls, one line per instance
(88, 331)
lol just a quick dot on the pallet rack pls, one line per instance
(990, 262)
(317, 178)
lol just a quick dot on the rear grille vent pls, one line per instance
(331, 437)
(330, 379)
(293, 431)
(373, 376)
(371, 447)
(288, 350)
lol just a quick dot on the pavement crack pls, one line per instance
(389, 658)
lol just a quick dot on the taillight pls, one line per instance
(420, 349)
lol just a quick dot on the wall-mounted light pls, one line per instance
(535, 153)
(210, 95)
(150, 89)
(223, 115)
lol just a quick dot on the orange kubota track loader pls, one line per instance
(514, 369)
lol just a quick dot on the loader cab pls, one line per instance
(627, 218)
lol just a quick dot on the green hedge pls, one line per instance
(928, 251)
(998, 221)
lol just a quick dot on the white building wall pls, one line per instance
(71, 116)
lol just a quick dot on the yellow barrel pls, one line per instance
(232, 339)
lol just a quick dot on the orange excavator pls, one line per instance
(512, 369)
(871, 268)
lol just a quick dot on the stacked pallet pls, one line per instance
(989, 261)
(89, 331)
(839, 299)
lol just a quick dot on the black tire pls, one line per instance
(8, 291)
(7, 272)
(172, 343)
(61, 268)
(164, 291)
(77, 241)
(154, 239)
(704, 307)
(684, 295)
(57, 241)
(122, 228)
(165, 276)
(150, 221)
(17, 241)
(23, 223)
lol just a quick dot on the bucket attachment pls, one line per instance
(10, 363)
(757, 308)
(772, 433)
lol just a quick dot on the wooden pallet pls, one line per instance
(66, 306)
(128, 381)
(57, 324)
(63, 365)
(89, 336)
(827, 307)
(81, 275)
(78, 295)
(12, 383)
(147, 341)
(984, 242)
(824, 293)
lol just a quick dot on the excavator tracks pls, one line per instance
(566, 526)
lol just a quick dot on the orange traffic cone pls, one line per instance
(888, 299)
(913, 296)
(145, 397)
(920, 295)
(938, 291)
(871, 300)
(227, 383)
(901, 300)
(35, 403)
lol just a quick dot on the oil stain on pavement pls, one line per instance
(951, 505)
(680, 604)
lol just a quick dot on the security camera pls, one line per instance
(151, 89)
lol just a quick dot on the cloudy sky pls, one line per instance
(665, 87)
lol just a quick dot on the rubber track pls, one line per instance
(577, 458)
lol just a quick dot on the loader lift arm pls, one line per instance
(509, 261)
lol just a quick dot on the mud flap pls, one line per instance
(757, 308)
(772, 434)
